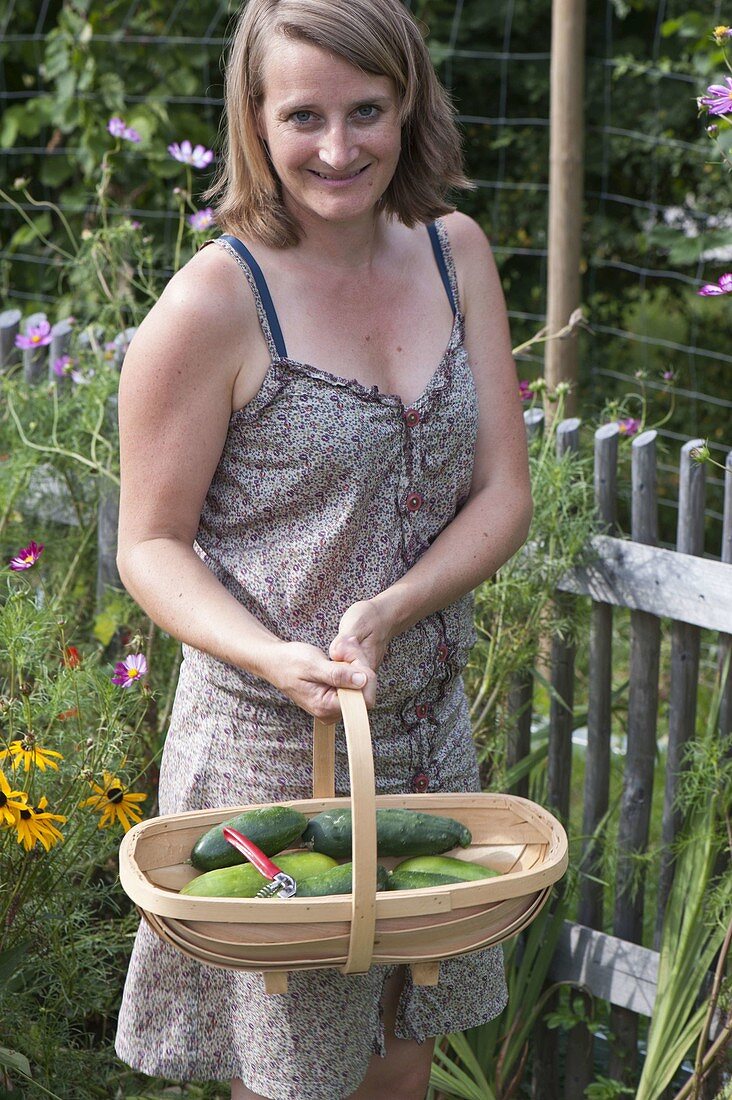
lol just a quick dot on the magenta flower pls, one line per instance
(26, 557)
(718, 100)
(131, 669)
(65, 367)
(37, 336)
(202, 219)
(629, 426)
(722, 286)
(118, 128)
(200, 157)
(525, 390)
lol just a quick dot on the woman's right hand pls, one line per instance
(306, 675)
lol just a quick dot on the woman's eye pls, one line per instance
(302, 116)
(367, 111)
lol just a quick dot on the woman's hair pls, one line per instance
(377, 36)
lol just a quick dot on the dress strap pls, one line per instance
(270, 322)
(441, 249)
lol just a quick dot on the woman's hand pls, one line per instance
(364, 633)
(306, 676)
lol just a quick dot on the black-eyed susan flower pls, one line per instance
(115, 803)
(11, 802)
(35, 825)
(27, 751)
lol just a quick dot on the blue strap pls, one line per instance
(264, 294)
(440, 257)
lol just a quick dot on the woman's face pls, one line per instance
(333, 131)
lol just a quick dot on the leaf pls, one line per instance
(11, 961)
(104, 627)
(13, 1059)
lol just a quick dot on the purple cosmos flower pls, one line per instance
(629, 426)
(26, 557)
(65, 367)
(668, 376)
(718, 100)
(37, 336)
(200, 157)
(524, 390)
(118, 128)
(131, 669)
(722, 286)
(202, 219)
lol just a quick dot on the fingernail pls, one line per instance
(359, 679)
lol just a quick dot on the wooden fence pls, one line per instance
(678, 592)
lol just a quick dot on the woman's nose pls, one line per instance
(337, 149)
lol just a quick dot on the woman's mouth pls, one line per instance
(330, 178)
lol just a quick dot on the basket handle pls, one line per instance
(363, 816)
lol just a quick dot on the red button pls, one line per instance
(412, 418)
(414, 502)
(420, 782)
(442, 652)
(422, 710)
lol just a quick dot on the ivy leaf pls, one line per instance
(104, 627)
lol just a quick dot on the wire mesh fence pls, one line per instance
(655, 220)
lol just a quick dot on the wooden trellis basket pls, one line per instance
(418, 927)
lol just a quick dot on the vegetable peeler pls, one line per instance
(281, 884)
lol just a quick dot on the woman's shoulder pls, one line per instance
(468, 242)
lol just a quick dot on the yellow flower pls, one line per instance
(721, 34)
(11, 802)
(36, 824)
(27, 752)
(114, 803)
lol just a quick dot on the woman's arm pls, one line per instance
(175, 402)
(494, 522)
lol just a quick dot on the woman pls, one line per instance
(322, 455)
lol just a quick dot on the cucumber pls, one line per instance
(445, 865)
(398, 833)
(418, 880)
(271, 828)
(337, 881)
(245, 880)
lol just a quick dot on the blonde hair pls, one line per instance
(376, 36)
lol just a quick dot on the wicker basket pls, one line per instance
(417, 927)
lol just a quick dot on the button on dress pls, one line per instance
(326, 492)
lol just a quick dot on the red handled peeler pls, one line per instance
(281, 884)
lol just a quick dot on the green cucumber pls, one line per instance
(245, 880)
(445, 865)
(337, 881)
(398, 833)
(271, 828)
(418, 880)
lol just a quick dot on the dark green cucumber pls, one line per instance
(245, 880)
(271, 828)
(445, 865)
(337, 881)
(398, 833)
(418, 880)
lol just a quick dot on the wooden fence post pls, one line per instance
(60, 343)
(34, 359)
(545, 1083)
(640, 754)
(521, 691)
(9, 329)
(685, 646)
(579, 1067)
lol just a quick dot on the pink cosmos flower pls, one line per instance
(200, 157)
(37, 336)
(131, 669)
(629, 426)
(524, 390)
(718, 100)
(118, 128)
(202, 219)
(26, 557)
(722, 286)
(64, 367)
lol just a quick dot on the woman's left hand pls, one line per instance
(363, 635)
